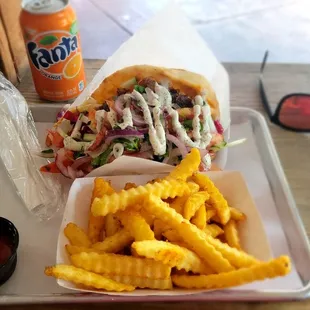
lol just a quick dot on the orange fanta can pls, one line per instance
(54, 50)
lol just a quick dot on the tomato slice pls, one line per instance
(54, 138)
(72, 117)
(69, 159)
(51, 168)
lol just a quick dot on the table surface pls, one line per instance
(293, 149)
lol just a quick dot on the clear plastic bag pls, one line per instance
(41, 194)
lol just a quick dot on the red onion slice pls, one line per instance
(119, 105)
(145, 155)
(80, 174)
(71, 173)
(59, 159)
(180, 145)
(143, 130)
(166, 160)
(122, 133)
(80, 161)
(137, 119)
(219, 127)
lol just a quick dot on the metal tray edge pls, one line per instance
(292, 295)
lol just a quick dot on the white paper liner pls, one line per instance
(231, 184)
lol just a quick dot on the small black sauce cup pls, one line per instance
(8, 232)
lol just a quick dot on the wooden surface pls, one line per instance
(12, 48)
(293, 149)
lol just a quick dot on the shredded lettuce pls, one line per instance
(102, 158)
(132, 145)
(139, 89)
(224, 144)
(219, 146)
(48, 151)
(78, 154)
(188, 125)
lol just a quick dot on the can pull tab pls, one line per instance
(41, 4)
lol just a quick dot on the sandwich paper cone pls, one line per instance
(231, 184)
(169, 40)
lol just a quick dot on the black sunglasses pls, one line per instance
(293, 110)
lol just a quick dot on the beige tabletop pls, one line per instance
(293, 149)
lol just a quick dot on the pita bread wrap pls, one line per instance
(143, 111)
(188, 83)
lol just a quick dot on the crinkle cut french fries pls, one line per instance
(178, 231)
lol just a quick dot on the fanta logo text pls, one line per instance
(43, 58)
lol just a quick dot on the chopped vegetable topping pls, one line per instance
(146, 120)
(132, 145)
(48, 151)
(102, 158)
(140, 89)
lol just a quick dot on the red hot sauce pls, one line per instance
(5, 250)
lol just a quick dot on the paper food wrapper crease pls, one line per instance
(230, 183)
(168, 40)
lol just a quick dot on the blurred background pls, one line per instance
(236, 30)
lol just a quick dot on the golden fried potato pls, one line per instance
(147, 216)
(187, 167)
(154, 181)
(190, 234)
(111, 225)
(89, 279)
(193, 203)
(155, 284)
(193, 187)
(74, 249)
(172, 255)
(200, 217)
(263, 270)
(237, 215)
(178, 203)
(136, 225)
(213, 230)
(115, 243)
(159, 228)
(130, 185)
(134, 196)
(160, 251)
(96, 223)
(237, 258)
(216, 200)
(231, 234)
(172, 235)
(77, 235)
(210, 213)
(116, 264)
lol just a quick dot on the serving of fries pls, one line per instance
(177, 231)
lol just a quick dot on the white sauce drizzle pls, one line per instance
(118, 150)
(99, 117)
(156, 135)
(154, 103)
(127, 119)
(201, 142)
(112, 118)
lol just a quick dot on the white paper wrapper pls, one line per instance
(169, 40)
(231, 184)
